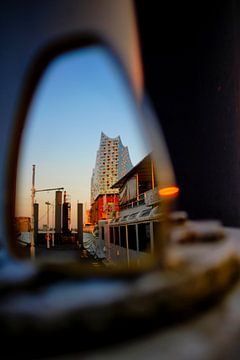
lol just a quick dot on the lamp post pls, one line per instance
(53, 244)
(32, 248)
(47, 234)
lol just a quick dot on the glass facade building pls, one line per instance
(112, 163)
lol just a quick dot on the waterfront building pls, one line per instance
(133, 232)
(23, 223)
(87, 219)
(22, 226)
(112, 163)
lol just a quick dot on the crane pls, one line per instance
(34, 191)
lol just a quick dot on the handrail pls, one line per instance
(138, 200)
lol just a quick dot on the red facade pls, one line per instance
(104, 207)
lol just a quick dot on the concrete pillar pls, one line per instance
(58, 215)
(80, 224)
(35, 222)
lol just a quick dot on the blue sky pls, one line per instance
(81, 94)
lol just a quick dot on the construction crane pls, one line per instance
(34, 191)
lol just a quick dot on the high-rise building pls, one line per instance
(112, 163)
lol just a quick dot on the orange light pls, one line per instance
(169, 191)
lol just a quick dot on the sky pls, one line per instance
(82, 93)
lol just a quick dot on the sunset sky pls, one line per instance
(81, 94)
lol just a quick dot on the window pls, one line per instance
(123, 236)
(132, 241)
(144, 237)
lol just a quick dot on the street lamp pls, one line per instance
(32, 247)
(47, 234)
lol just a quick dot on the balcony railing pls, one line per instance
(139, 200)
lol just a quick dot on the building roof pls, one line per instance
(143, 169)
